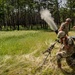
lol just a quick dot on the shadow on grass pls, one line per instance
(67, 73)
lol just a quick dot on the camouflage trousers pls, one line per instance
(63, 54)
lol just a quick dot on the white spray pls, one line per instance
(46, 16)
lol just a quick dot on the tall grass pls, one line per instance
(22, 42)
(20, 53)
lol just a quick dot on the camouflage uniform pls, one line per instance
(63, 53)
(64, 27)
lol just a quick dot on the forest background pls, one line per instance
(24, 14)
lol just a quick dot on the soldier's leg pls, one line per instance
(59, 57)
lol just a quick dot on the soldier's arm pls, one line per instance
(62, 27)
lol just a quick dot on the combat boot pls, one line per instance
(59, 65)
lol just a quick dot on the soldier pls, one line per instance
(65, 26)
(67, 48)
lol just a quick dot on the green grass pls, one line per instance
(21, 53)
(22, 42)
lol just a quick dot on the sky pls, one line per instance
(62, 3)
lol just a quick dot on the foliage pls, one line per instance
(14, 13)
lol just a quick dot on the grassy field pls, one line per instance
(21, 53)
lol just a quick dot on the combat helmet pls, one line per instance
(68, 20)
(61, 34)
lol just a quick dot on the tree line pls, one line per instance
(24, 14)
